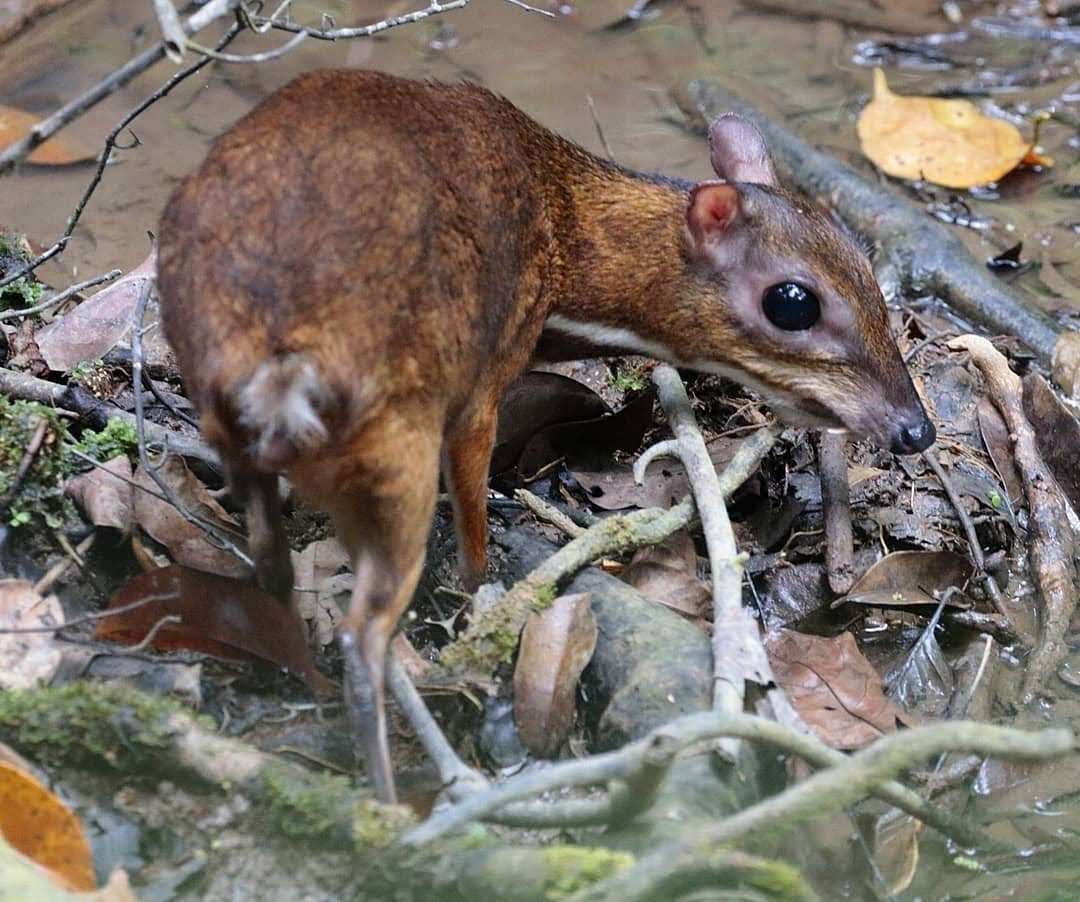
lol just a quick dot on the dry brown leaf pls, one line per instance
(101, 321)
(945, 141)
(833, 687)
(15, 125)
(41, 827)
(27, 659)
(105, 499)
(320, 590)
(186, 542)
(904, 578)
(555, 647)
(667, 573)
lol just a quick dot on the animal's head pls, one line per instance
(787, 302)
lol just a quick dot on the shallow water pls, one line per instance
(802, 71)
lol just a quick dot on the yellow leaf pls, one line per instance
(40, 826)
(15, 124)
(948, 142)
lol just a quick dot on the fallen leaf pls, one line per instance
(224, 617)
(944, 141)
(892, 840)
(186, 542)
(995, 436)
(923, 673)
(27, 660)
(905, 578)
(1057, 433)
(533, 402)
(833, 687)
(667, 573)
(102, 321)
(555, 647)
(612, 487)
(321, 590)
(16, 124)
(105, 499)
(44, 829)
(589, 441)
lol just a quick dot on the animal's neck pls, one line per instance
(621, 258)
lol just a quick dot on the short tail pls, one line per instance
(284, 407)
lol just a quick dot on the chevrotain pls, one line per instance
(363, 263)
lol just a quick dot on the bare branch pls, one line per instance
(59, 298)
(172, 29)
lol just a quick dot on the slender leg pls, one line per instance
(267, 542)
(466, 459)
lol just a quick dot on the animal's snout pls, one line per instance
(915, 435)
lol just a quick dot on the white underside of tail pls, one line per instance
(280, 405)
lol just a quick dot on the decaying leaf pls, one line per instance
(1057, 433)
(945, 141)
(905, 578)
(100, 322)
(27, 659)
(612, 487)
(555, 647)
(923, 674)
(833, 687)
(995, 436)
(893, 842)
(44, 829)
(105, 499)
(667, 573)
(219, 616)
(321, 591)
(186, 542)
(15, 124)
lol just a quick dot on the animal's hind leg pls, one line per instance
(466, 460)
(384, 524)
(267, 542)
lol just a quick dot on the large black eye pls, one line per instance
(791, 307)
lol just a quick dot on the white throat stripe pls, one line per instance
(610, 336)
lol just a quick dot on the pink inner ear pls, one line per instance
(713, 207)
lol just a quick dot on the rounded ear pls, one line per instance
(738, 151)
(713, 207)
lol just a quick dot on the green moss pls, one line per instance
(313, 809)
(88, 722)
(14, 254)
(118, 437)
(575, 868)
(377, 826)
(545, 597)
(40, 491)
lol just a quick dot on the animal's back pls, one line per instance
(374, 226)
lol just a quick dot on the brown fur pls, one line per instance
(408, 241)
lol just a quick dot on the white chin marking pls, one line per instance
(610, 336)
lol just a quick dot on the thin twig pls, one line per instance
(361, 31)
(531, 9)
(992, 588)
(58, 570)
(106, 153)
(547, 512)
(599, 128)
(59, 297)
(664, 743)
(213, 534)
(172, 29)
(29, 456)
(832, 790)
(100, 615)
(264, 56)
(144, 643)
(836, 508)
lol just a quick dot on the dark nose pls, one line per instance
(913, 437)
